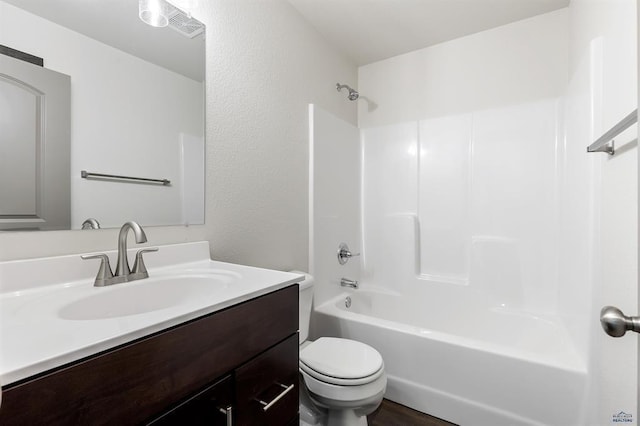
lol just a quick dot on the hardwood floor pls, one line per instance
(392, 414)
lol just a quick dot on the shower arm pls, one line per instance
(339, 88)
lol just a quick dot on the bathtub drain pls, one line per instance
(347, 302)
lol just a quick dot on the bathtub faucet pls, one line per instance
(344, 254)
(345, 282)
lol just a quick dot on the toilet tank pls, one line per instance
(304, 305)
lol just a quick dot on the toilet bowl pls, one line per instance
(342, 378)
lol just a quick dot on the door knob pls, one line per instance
(616, 324)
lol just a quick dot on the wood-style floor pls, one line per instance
(392, 414)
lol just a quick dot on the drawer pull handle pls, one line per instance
(228, 414)
(267, 405)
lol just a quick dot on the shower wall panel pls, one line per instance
(467, 200)
(334, 200)
(445, 155)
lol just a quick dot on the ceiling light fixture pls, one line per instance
(154, 12)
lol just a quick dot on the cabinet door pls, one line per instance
(267, 387)
(212, 407)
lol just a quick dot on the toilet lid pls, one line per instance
(342, 358)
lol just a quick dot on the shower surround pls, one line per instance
(468, 200)
(468, 192)
(459, 265)
(460, 221)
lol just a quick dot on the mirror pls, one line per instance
(136, 111)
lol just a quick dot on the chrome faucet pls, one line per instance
(344, 254)
(122, 267)
(123, 272)
(90, 223)
(345, 282)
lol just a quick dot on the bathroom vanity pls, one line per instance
(234, 362)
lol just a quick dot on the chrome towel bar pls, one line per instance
(605, 142)
(87, 175)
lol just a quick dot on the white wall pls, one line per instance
(127, 116)
(269, 65)
(265, 64)
(508, 65)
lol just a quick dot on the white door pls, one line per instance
(617, 247)
(34, 147)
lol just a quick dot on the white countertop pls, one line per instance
(35, 336)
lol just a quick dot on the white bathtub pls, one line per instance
(475, 367)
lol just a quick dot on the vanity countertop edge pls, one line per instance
(34, 340)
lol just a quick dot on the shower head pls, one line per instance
(353, 94)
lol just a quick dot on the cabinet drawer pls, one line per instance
(211, 407)
(267, 387)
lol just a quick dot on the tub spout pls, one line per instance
(345, 282)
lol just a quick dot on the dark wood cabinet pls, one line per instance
(267, 387)
(214, 406)
(232, 358)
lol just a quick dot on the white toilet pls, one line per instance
(343, 378)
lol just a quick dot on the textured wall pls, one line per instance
(264, 65)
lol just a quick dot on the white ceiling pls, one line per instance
(364, 30)
(116, 23)
(372, 30)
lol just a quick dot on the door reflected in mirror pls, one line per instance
(136, 110)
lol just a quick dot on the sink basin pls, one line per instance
(143, 296)
(53, 301)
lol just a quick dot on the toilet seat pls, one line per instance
(340, 381)
(340, 396)
(342, 362)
